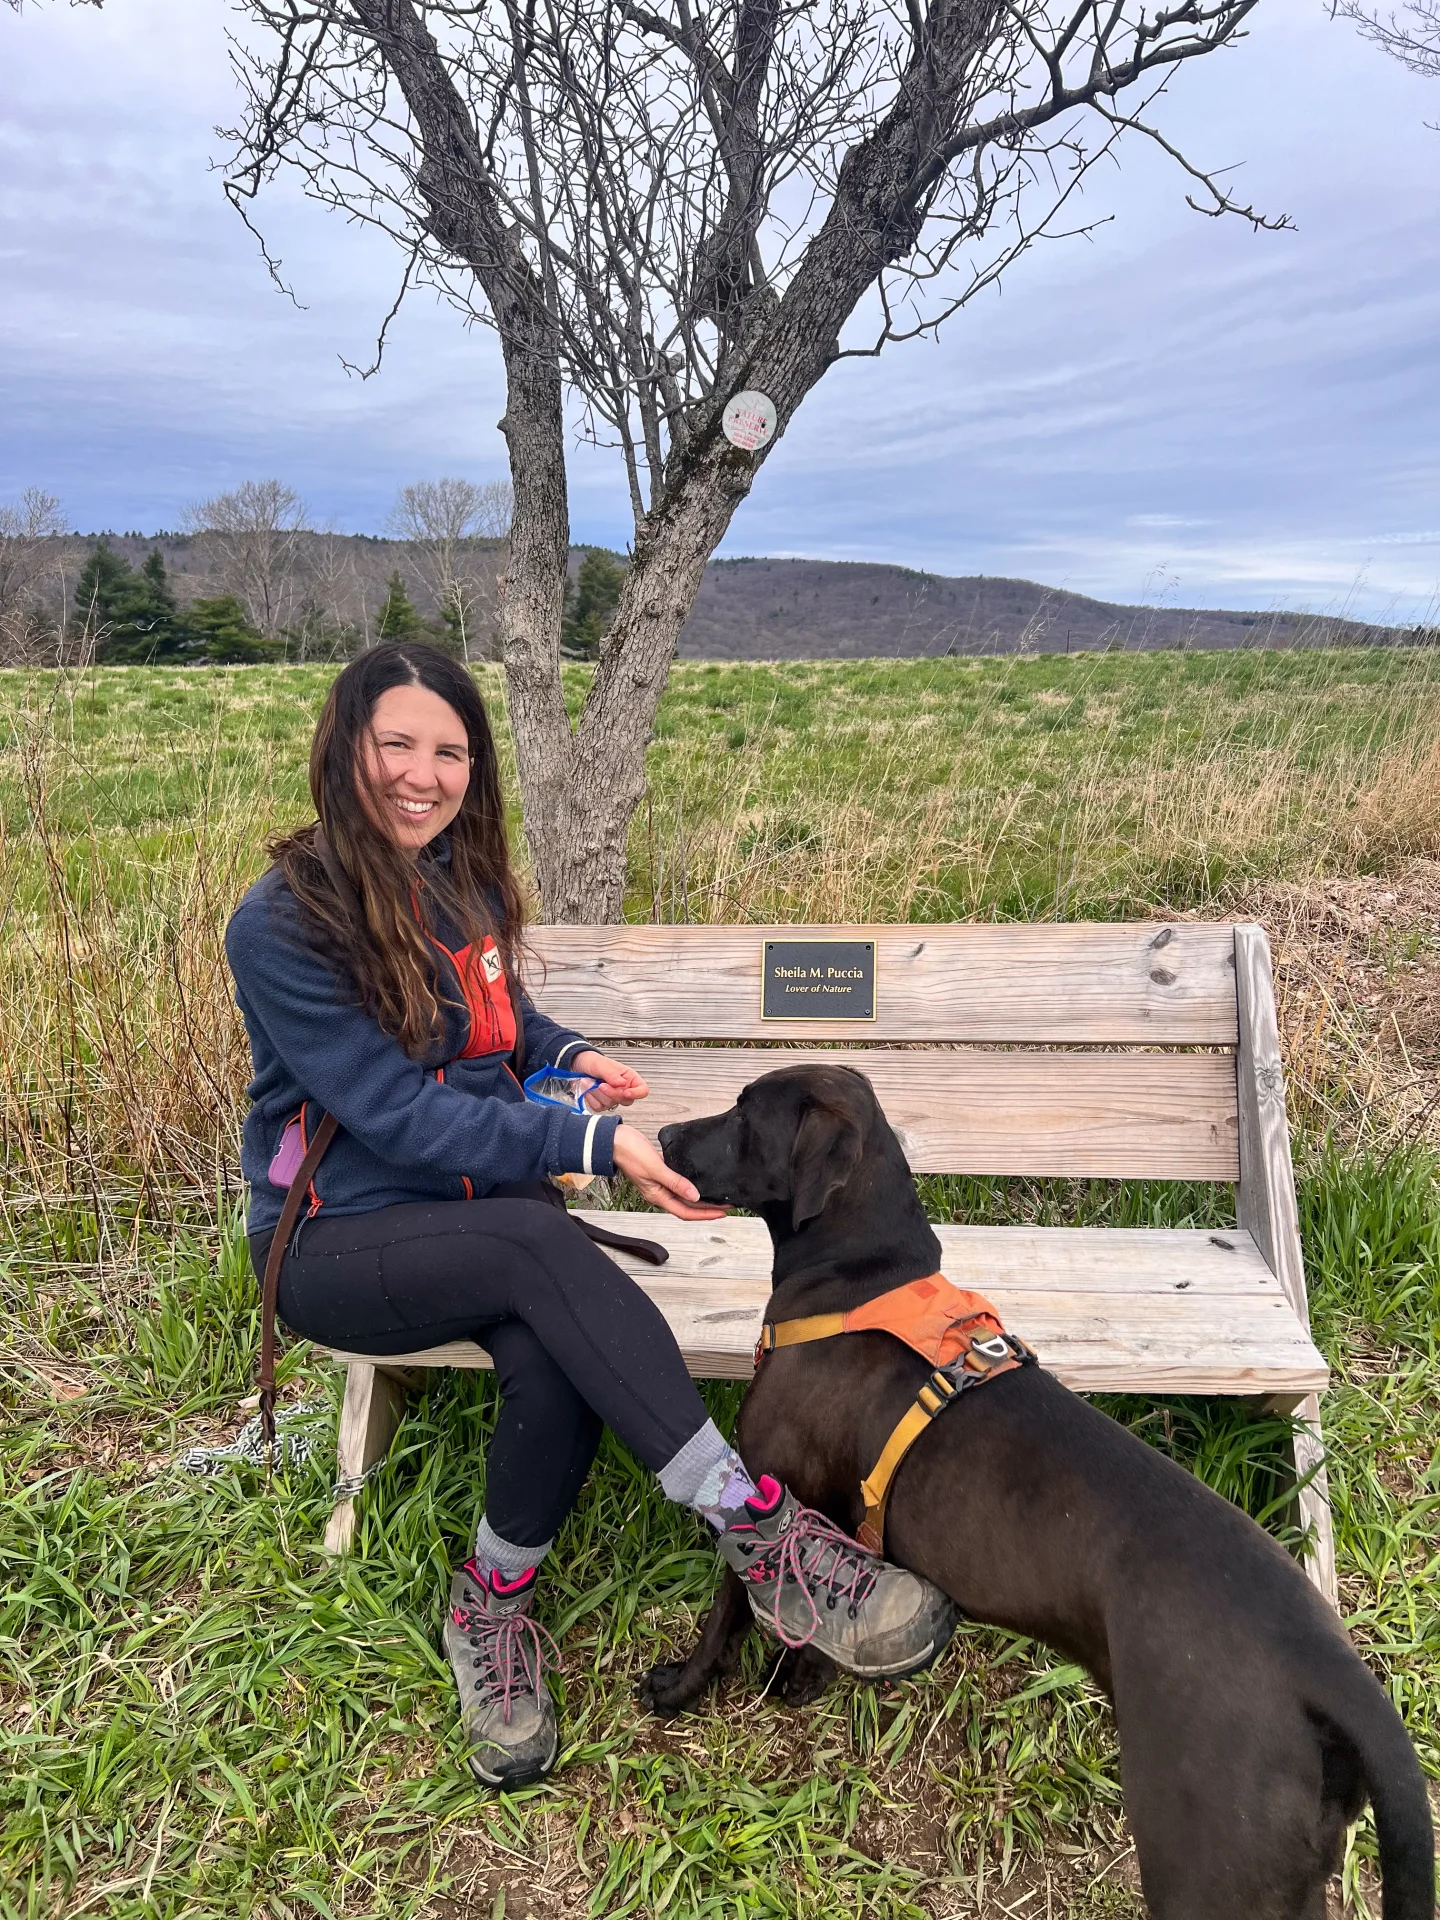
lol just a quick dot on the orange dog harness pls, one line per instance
(958, 1332)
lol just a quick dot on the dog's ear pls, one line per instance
(826, 1152)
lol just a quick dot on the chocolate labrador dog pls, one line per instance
(1251, 1733)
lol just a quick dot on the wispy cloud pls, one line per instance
(1164, 520)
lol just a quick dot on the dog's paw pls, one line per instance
(659, 1693)
(804, 1676)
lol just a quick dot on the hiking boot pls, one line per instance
(498, 1655)
(810, 1585)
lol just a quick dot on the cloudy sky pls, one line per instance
(1174, 410)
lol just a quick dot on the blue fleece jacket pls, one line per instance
(441, 1128)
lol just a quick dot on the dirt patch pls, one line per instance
(485, 1884)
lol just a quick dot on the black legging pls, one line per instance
(576, 1344)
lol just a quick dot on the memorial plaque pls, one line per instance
(818, 980)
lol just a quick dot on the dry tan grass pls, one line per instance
(123, 1060)
(1400, 813)
(1357, 966)
(1116, 838)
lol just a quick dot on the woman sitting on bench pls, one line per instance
(376, 966)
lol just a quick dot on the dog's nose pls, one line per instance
(666, 1137)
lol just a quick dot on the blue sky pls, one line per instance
(1176, 409)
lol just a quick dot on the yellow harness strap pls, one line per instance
(982, 1358)
(936, 1394)
(794, 1333)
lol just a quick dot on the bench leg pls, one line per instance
(1314, 1499)
(374, 1402)
(1312, 1503)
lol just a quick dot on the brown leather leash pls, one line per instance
(270, 1287)
(934, 1319)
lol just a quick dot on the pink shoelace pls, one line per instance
(512, 1651)
(842, 1566)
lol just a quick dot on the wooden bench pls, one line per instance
(1099, 1051)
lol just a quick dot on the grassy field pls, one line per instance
(200, 1715)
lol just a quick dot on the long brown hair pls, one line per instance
(365, 905)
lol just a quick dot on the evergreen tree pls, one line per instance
(317, 634)
(590, 604)
(132, 617)
(99, 591)
(217, 631)
(153, 612)
(398, 618)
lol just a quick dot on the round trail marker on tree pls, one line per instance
(749, 420)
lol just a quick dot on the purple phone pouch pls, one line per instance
(291, 1151)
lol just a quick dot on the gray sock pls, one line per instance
(494, 1555)
(709, 1476)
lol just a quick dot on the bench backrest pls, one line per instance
(1122, 1050)
(1046, 992)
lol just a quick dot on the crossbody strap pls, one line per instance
(270, 1286)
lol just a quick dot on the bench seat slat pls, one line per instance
(1121, 984)
(1092, 1115)
(1139, 1311)
(1074, 1259)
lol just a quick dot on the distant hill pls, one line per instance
(848, 610)
(785, 609)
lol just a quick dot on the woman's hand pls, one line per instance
(620, 1085)
(659, 1184)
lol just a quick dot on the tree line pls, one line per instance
(250, 578)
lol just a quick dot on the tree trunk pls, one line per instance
(580, 787)
(531, 607)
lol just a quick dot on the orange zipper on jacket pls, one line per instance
(315, 1201)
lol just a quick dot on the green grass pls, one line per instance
(204, 1716)
(201, 1715)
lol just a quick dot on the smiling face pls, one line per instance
(416, 765)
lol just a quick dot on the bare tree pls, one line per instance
(325, 626)
(253, 536)
(1412, 36)
(26, 528)
(442, 520)
(660, 206)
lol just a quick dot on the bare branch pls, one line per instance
(1220, 202)
(26, 530)
(405, 282)
(1411, 37)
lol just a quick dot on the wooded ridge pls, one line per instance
(802, 609)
